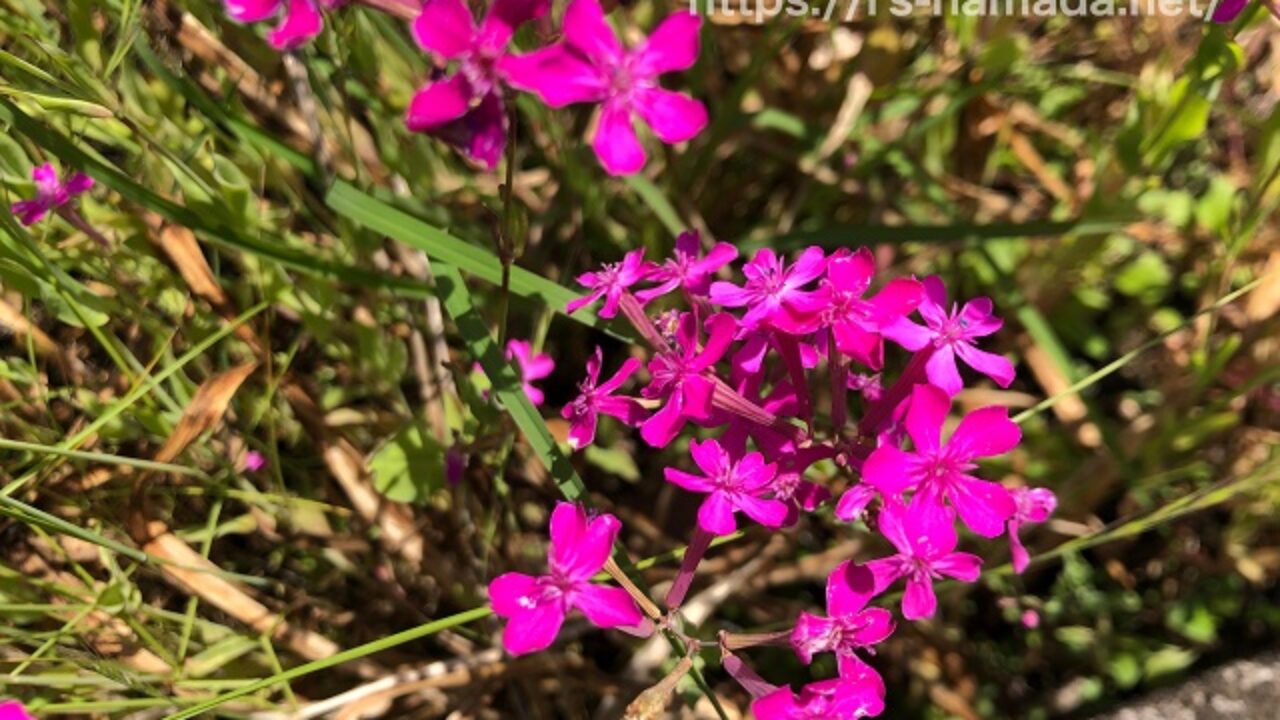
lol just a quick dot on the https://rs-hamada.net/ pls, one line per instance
(760, 11)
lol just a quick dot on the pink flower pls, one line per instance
(611, 281)
(937, 472)
(51, 193)
(466, 109)
(686, 270)
(1033, 505)
(597, 398)
(591, 66)
(868, 385)
(535, 607)
(14, 710)
(300, 20)
(951, 334)
(254, 461)
(532, 367)
(679, 377)
(856, 323)
(1030, 619)
(926, 542)
(732, 484)
(851, 625)
(771, 288)
(857, 693)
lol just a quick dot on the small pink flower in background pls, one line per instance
(1033, 505)
(610, 281)
(1030, 619)
(851, 625)
(926, 541)
(300, 20)
(855, 322)
(254, 461)
(591, 66)
(772, 287)
(466, 108)
(597, 398)
(952, 334)
(532, 367)
(938, 472)
(857, 693)
(679, 377)
(535, 607)
(14, 710)
(455, 465)
(688, 269)
(51, 193)
(732, 485)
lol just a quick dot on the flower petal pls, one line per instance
(715, 515)
(302, 21)
(674, 117)
(688, 481)
(983, 506)
(889, 470)
(512, 593)
(994, 366)
(438, 103)
(503, 19)
(607, 607)
(661, 427)
(849, 588)
(586, 30)
(249, 11)
(615, 141)
(985, 432)
(769, 513)
(919, 602)
(445, 27)
(580, 545)
(928, 411)
(962, 566)
(533, 629)
(673, 46)
(556, 74)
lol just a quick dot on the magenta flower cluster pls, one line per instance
(466, 106)
(744, 365)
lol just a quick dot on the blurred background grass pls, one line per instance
(1107, 182)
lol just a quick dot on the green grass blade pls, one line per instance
(104, 458)
(1128, 357)
(441, 247)
(345, 656)
(26, 513)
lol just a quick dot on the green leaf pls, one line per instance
(410, 467)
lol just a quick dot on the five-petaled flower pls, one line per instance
(925, 538)
(687, 268)
(466, 109)
(850, 625)
(532, 367)
(535, 607)
(838, 304)
(772, 287)
(1033, 505)
(938, 472)
(611, 281)
(680, 377)
(597, 398)
(51, 193)
(951, 334)
(732, 484)
(592, 66)
(857, 693)
(300, 20)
